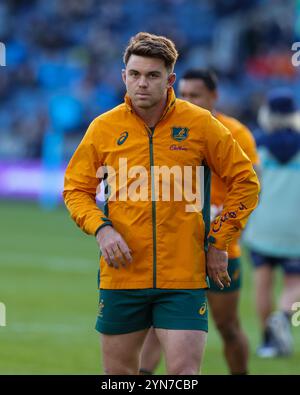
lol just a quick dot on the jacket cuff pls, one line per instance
(219, 244)
(106, 222)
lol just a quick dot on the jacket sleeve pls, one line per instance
(247, 143)
(225, 158)
(82, 178)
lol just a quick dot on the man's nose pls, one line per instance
(143, 82)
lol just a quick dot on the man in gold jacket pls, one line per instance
(153, 264)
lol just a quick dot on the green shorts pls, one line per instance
(234, 271)
(125, 311)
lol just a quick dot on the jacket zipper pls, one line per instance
(150, 132)
(153, 206)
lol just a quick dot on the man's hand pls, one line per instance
(113, 247)
(217, 263)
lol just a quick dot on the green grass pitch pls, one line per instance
(48, 270)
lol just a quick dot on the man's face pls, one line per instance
(196, 92)
(147, 81)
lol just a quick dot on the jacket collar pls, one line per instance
(171, 100)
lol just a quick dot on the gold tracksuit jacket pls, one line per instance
(167, 242)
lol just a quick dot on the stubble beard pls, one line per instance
(144, 104)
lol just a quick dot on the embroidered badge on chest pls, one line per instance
(179, 133)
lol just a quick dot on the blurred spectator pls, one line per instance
(273, 233)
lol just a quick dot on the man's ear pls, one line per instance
(124, 76)
(171, 80)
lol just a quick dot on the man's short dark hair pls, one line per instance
(152, 46)
(207, 76)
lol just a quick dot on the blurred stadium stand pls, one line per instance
(64, 59)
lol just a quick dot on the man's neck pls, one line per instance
(151, 116)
